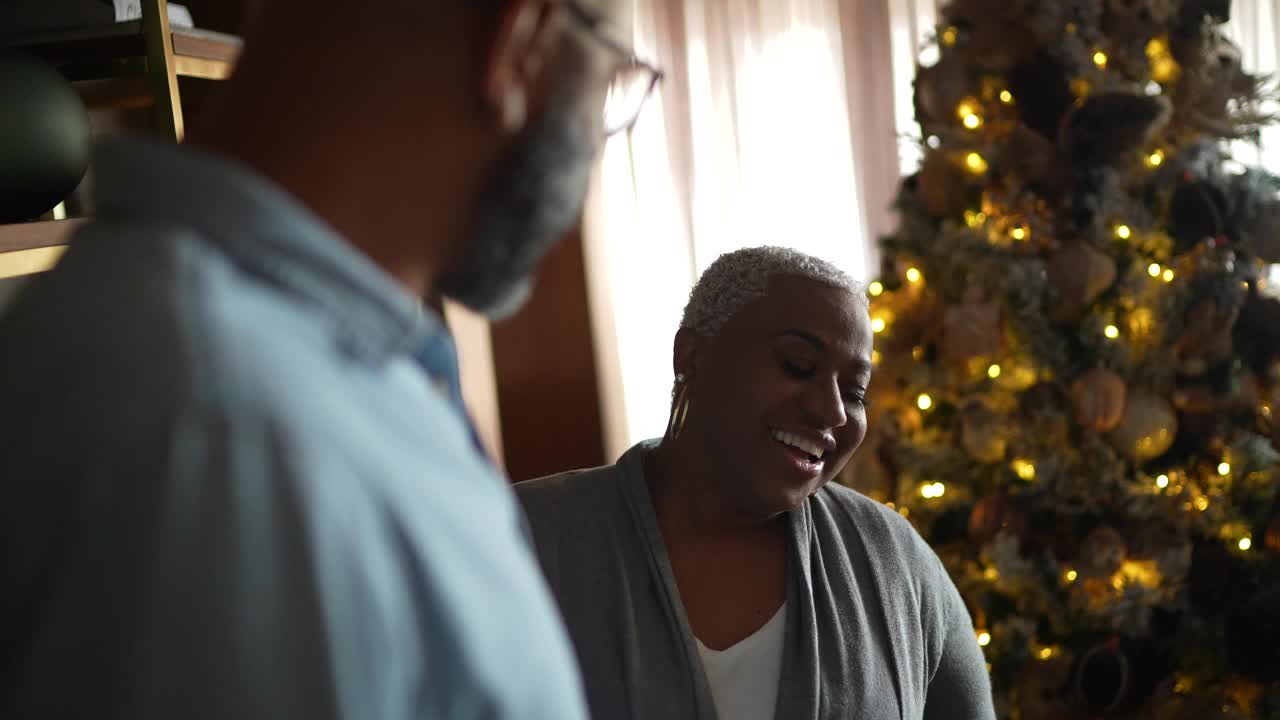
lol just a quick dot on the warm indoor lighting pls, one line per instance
(1045, 653)
(924, 402)
(933, 490)
(877, 325)
(876, 357)
(973, 122)
(1224, 469)
(1154, 270)
(984, 638)
(1111, 331)
(913, 275)
(974, 219)
(1024, 469)
(976, 163)
(950, 35)
(1167, 275)
(1124, 232)
(1071, 576)
(1155, 158)
(1245, 543)
(1201, 503)
(1018, 233)
(1162, 482)
(1006, 97)
(993, 372)
(1100, 59)
(991, 574)
(876, 289)
(1164, 67)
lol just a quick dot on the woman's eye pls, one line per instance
(797, 370)
(856, 398)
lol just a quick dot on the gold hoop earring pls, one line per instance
(679, 409)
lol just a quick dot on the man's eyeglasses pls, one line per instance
(633, 82)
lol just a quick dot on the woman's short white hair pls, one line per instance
(737, 278)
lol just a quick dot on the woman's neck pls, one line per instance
(694, 503)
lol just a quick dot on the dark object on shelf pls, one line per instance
(44, 138)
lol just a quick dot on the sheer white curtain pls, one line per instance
(1255, 27)
(777, 124)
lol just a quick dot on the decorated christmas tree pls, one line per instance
(1077, 357)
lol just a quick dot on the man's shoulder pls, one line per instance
(152, 312)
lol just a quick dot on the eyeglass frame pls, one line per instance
(593, 25)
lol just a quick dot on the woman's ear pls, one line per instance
(684, 353)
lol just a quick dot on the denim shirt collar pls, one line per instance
(270, 234)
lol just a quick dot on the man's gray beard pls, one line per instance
(531, 198)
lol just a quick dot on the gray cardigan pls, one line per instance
(875, 627)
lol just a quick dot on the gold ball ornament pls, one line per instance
(941, 186)
(1206, 338)
(1079, 272)
(971, 329)
(1099, 399)
(1147, 428)
(1271, 540)
(1102, 553)
(983, 433)
(1043, 690)
(939, 90)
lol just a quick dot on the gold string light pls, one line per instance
(975, 163)
(876, 289)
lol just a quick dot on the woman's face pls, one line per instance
(778, 395)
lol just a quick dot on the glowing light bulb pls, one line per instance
(1100, 59)
(1245, 543)
(1024, 469)
(1167, 276)
(976, 163)
(876, 289)
(993, 372)
(1162, 482)
(1156, 158)
(1071, 576)
(877, 325)
(1154, 270)
(950, 35)
(1124, 232)
(1045, 653)
(973, 122)
(913, 275)
(1224, 469)
(924, 402)
(1006, 97)
(1111, 331)
(1018, 233)
(984, 638)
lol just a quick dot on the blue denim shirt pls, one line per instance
(231, 488)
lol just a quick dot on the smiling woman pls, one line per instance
(718, 572)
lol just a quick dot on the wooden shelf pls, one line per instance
(33, 247)
(105, 52)
(33, 235)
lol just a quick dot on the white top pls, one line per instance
(744, 678)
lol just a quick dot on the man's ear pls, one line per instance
(684, 353)
(527, 34)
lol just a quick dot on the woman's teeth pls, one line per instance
(814, 451)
